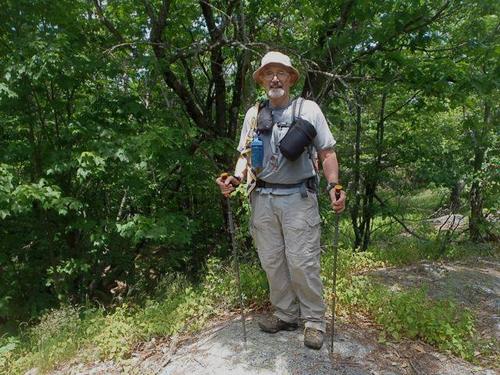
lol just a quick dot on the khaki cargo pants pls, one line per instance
(286, 231)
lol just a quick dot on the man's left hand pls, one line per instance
(338, 205)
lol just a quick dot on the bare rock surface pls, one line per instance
(356, 352)
(450, 222)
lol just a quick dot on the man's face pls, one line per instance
(276, 80)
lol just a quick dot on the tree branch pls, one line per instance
(243, 62)
(158, 25)
(109, 25)
(216, 64)
(190, 79)
(402, 105)
(406, 29)
(399, 221)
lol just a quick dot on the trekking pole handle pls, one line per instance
(338, 189)
(224, 175)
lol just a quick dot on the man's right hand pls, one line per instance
(227, 184)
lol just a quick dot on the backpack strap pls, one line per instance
(294, 105)
(252, 129)
(246, 153)
(309, 151)
(302, 100)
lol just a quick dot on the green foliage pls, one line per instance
(400, 313)
(411, 314)
(118, 332)
(349, 286)
(56, 338)
(167, 228)
(18, 198)
(175, 307)
(218, 293)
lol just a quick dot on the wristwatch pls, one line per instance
(330, 186)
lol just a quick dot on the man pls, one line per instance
(285, 222)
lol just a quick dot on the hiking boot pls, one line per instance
(273, 324)
(313, 338)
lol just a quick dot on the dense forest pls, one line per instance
(117, 116)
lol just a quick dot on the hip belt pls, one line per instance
(307, 184)
(264, 184)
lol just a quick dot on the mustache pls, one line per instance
(276, 85)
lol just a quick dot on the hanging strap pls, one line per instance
(309, 148)
(300, 106)
(294, 105)
(251, 176)
(252, 129)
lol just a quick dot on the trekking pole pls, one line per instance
(235, 255)
(337, 188)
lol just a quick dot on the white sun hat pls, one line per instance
(275, 57)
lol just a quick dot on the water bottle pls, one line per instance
(257, 147)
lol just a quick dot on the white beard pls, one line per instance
(275, 93)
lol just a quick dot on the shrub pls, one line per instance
(413, 315)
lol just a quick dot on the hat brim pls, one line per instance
(294, 73)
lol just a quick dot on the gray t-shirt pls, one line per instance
(278, 169)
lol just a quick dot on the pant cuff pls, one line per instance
(320, 326)
(285, 318)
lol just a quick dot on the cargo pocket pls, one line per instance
(261, 220)
(302, 229)
(314, 219)
(264, 228)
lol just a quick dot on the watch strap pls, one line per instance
(331, 185)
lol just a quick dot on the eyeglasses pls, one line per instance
(269, 75)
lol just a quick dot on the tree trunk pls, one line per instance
(476, 213)
(367, 215)
(373, 178)
(477, 222)
(455, 193)
(356, 181)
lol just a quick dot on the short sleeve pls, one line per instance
(324, 138)
(252, 112)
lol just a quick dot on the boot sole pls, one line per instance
(315, 347)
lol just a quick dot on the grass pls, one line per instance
(407, 313)
(411, 314)
(425, 200)
(94, 333)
